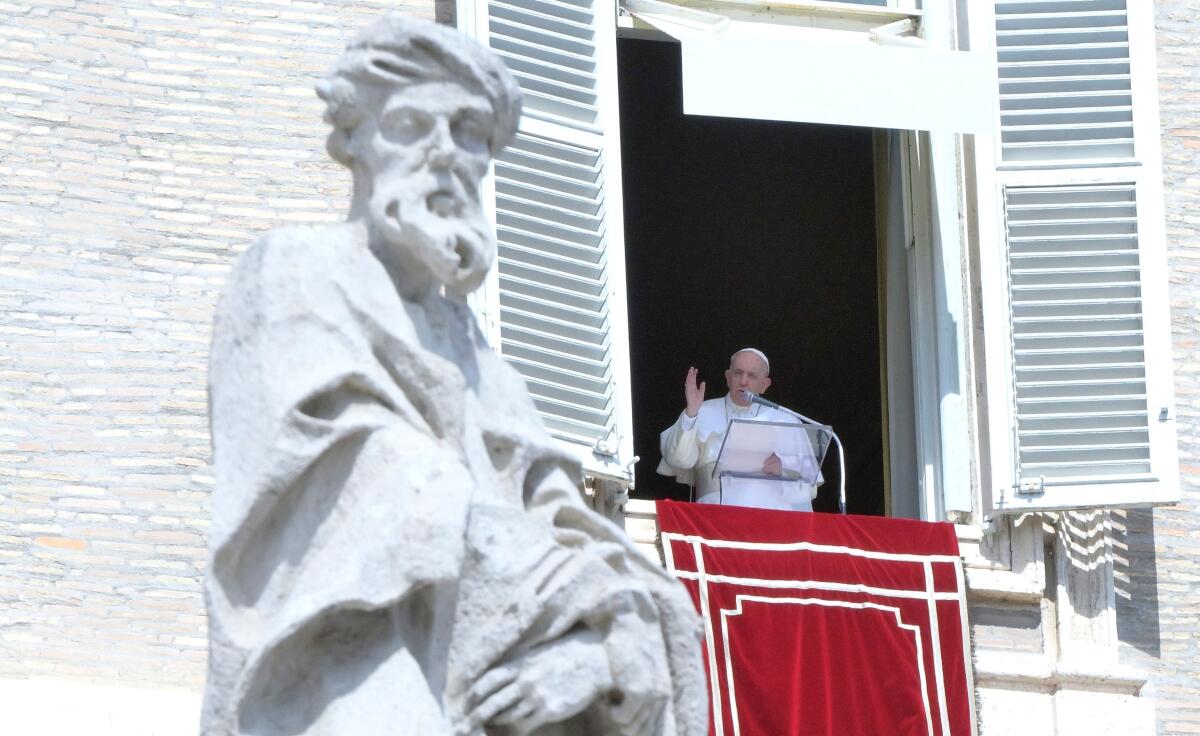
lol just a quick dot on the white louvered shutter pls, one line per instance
(558, 312)
(1078, 343)
(1065, 87)
(1078, 183)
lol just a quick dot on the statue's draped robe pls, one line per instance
(391, 520)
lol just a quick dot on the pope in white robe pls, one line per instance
(691, 446)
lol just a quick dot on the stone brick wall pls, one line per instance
(142, 146)
(1158, 552)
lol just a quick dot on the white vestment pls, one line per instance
(690, 448)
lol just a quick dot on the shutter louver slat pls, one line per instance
(512, 331)
(552, 310)
(568, 363)
(566, 299)
(531, 216)
(570, 380)
(552, 279)
(1017, 20)
(1065, 85)
(554, 320)
(1078, 341)
(542, 195)
(524, 247)
(1100, 52)
(566, 262)
(571, 397)
(524, 218)
(1068, 386)
(1018, 70)
(568, 329)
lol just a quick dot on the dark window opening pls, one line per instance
(749, 233)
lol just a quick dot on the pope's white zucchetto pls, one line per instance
(762, 356)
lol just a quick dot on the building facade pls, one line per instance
(143, 145)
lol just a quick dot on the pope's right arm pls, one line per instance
(680, 444)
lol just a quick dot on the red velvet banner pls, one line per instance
(824, 625)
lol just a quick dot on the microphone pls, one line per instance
(754, 398)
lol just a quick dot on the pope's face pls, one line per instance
(426, 156)
(747, 372)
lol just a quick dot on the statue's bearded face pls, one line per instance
(427, 155)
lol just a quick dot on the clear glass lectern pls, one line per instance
(747, 446)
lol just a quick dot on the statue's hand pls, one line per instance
(547, 684)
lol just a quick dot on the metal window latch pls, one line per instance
(608, 444)
(1031, 486)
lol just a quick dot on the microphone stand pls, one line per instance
(755, 398)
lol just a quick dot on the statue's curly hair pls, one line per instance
(401, 51)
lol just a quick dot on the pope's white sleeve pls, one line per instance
(679, 444)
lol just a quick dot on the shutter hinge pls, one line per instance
(1031, 486)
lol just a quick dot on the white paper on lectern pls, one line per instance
(748, 444)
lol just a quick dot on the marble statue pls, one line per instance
(397, 545)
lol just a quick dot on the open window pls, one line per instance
(1073, 254)
(890, 71)
(749, 232)
(557, 305)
